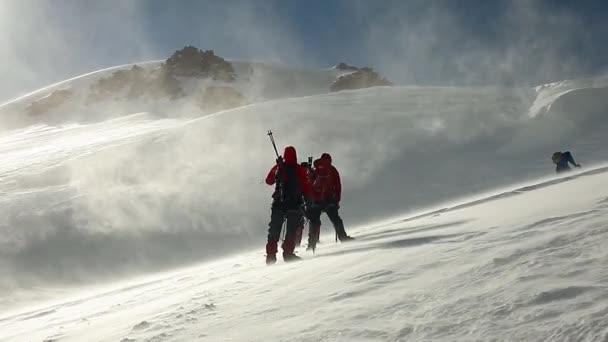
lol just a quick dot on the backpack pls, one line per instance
(323, 183)
(288, 188)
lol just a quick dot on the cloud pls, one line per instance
(514, 42)
(44, 42)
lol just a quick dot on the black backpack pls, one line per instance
(288, 187)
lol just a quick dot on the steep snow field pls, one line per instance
(85, 206)
(528, 265)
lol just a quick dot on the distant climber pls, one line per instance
(327, 193)
(562, 161)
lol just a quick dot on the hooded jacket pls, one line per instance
(561, 160)
(290, 158)
(326, 181)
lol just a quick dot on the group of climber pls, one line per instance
(302, 191)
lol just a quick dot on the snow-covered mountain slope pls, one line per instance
(527, 264)
(138, 193)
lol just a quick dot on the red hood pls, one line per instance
(317, 163)
(326, 157)
(290, 156)
(322, 164)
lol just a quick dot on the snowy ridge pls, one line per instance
(257, 82)
(89, 77)
(546, 94)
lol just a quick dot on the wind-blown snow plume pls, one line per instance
(499, 42)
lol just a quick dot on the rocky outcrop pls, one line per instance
(53, 100)
(361, 78)
(193, 62)
(162, 82)
(135, 83)
(344, 66)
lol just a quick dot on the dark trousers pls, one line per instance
(278, 215)
(314, 215)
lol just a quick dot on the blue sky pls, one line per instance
(411, 42)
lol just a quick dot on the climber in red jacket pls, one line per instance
(291, 187)
(326, 195)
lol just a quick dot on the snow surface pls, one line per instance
(91, 213)
(506, 269)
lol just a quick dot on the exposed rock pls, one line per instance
(53, 100)
(162, 82)
(193, 62)
(362, 78)
(344, 66)
(135, 83)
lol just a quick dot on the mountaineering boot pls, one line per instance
(313, 237)
(271, 259)
(345, 238)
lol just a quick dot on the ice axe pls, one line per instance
(273, 144)
(279, 163)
